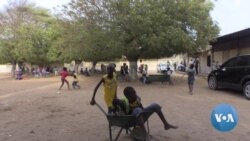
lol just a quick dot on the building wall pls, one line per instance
(244, 51)
(222, 56)
(203, 66)
(5, 68)
(218, 57)
(152, 63)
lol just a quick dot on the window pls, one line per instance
(230, 63)
(243, 61)
(209, 61)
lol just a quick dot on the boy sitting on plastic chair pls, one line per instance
(131, 104)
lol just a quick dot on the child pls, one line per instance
(122, 72)
(133, 106)
(110, 87)
(191, 74)
(64, 73)
(75, 81)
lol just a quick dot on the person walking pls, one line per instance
(110, 87)
(191, 75)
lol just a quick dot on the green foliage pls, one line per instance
(26, 35)
(159, 28)
(84, 35)
(101, 30)
(69, 44)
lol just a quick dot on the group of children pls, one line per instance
(130, 104)
(64, 73)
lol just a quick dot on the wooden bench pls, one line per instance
(159, 78)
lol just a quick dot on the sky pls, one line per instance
(230, 15)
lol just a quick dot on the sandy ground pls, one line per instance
(32, 110)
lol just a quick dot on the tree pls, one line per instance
(161, 28)
(26, 35)
(145, 28)
(84, 37)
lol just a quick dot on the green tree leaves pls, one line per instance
(100, 30)
(26, 35)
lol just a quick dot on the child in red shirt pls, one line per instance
(64, 73)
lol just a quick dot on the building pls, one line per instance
(228, 46)
(223, 48)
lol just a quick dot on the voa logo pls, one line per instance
(224, 117)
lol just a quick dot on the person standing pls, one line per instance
(125, 67)
(146, 68)
(196, 65)
(191, 75)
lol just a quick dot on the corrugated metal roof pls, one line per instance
(232, 36)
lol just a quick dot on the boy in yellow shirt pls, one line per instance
(110, 87)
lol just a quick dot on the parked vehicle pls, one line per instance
(163, 67)
(233, 74)
(181, 67)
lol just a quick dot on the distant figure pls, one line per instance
(191, 75)
(125, 67)
(141, 68)
(64, 73)
(19, 75)
(86, 72)
(146, 68)
(81, 71)
(185, 63)
(167, 73)
(102, 68)
(56, 71)
(75, 82)
(122, 73)
(144, 76)
(175, 65)
(196, 65)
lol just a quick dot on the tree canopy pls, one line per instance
(101, 30)
(26, 33)
(161, 28)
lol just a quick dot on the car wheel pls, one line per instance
(212, 83)
(246, 90)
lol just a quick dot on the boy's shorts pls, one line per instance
(190, 82)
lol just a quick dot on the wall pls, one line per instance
(152, 63)
(203, 68)
(5, 68)
(245, 51)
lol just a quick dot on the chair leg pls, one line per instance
(118, 134)
(110, 133)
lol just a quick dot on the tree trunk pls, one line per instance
(13, 69)
(77, 64)
(93, 66)
(133, 70)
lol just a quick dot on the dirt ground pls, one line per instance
(32, 110)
